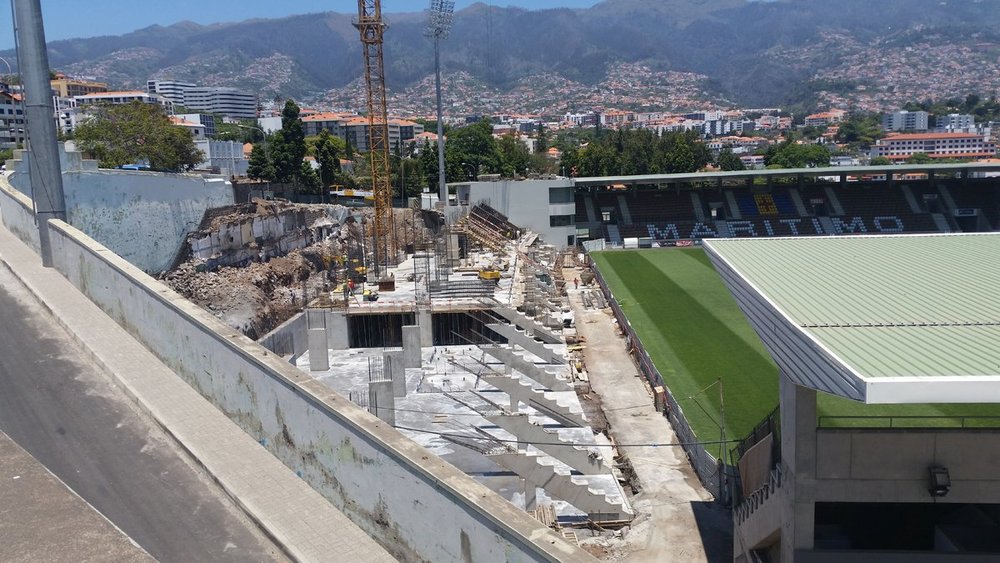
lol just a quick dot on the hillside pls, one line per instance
(752, 53)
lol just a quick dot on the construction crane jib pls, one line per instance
(372, 29)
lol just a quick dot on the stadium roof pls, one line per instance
(879, 319)
(895, 169)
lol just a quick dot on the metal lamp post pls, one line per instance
(438, 27)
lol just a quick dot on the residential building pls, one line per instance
(66, 87)
(956, 122)
(904, 120)
(228, 102)
(936, 145)
(197, 129)
(172, 90)
(123, 98)
(825, 118)
(205, 119)
(11, 117)
(328, 121)
(356, 133)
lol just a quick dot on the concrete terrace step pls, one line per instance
(516, 337)
(561, 484)
(519, 363)
(585, 459)
(535, 328)
(521, 391)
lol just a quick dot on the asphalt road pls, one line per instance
(56, 404)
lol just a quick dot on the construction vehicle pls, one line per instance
(491, 274)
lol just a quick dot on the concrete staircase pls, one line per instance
(614, 235)
(623, 205)
(588, 201)
(562, 484)
(758, 517)
(586, 460)
(518, 338)
(521, 391)
(529, 325)
(519, 363)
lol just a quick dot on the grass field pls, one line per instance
(696, 335)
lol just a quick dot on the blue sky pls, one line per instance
(64, 18)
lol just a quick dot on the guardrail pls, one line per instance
(922, 422)
(756, 499)
(708, 468)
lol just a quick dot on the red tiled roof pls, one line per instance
(930, 136)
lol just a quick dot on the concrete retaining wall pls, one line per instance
(143, 217)
(289, 339)
(18, 215)
(416, 505)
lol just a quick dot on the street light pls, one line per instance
(438, 27)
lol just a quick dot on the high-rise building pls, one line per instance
(228, 102)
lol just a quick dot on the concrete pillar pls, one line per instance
(424, 319)
(396, 371)
(411, 346)
(319, 354)
(798, 454)
(337, 332)
(381, 400)
(530, 495)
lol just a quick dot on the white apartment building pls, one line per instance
(228, 102)
(905, 121)
(936, 145)
(126, 97)
(172, 90)
(956, 122)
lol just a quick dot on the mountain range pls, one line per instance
(754, 53)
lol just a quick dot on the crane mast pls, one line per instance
(372, 29)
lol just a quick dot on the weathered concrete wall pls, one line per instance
(143, 217)
(18, 215)
(385, 482)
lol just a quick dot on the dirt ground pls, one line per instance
(677, 519)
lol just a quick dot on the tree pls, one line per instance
(880, 161)
(795, 155)
(471, 150)
(327, 155)
(288, 147)
(132, 133)
(543, 140)
(309, 181)
(729, 161)
(513, 155)
(259, 167)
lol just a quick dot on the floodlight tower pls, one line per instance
(438, 27)
(372, 29)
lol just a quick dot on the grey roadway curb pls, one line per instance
(265, 522)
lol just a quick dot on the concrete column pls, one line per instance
(424, 319)
(381, 400)
(411, 346)
(319, 354)
(396, 371)
(337, 333)
(530, 495)
(798, 454)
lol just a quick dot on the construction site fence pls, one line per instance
(714, 475)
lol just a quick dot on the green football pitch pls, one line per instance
(700, 342)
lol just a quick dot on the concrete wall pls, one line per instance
(143, 217)
(526, 204)
(289, 339)
(892, 465)
(17, 212)
(383, 481)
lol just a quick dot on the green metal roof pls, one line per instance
(889, 309)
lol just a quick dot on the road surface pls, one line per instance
(56, 404)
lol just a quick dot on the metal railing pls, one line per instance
(919, 422)
(756, 499)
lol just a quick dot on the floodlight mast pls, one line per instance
(438, 26)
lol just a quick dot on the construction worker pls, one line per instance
(576, 283)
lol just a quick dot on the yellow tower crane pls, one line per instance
(372, 29)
